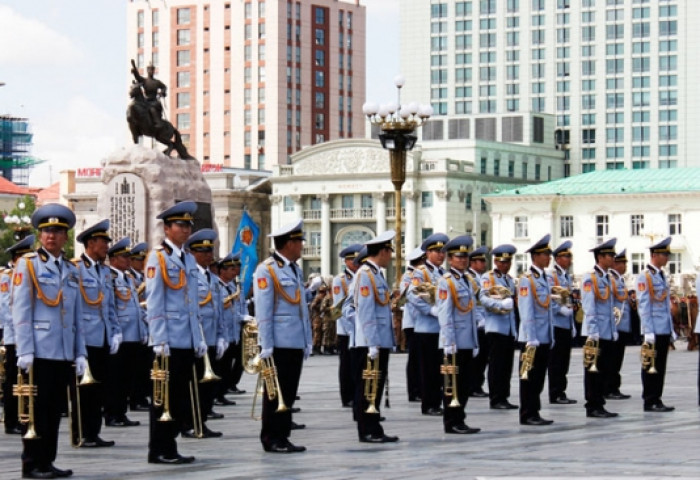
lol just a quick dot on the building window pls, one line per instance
(426, 199)
(674, 263)
(520, 264)
(183, 58)
(183, 79)
(601, 227)
(183, 100)
(483, 207)
(674, 224)
(636, 225)
(521, 227)
(183, 16)
(139, 19)
(567, 226)
(347, 201)
(637, 263)
(320, 37)
(468, 201)
(320, 15)
(183, 37)
(288, 202)
(183, 121)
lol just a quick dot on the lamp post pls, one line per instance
(398, 124)
(21, 225)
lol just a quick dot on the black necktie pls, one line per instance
(208, 277)
(58, 265)
(182, 257)
(294, 268)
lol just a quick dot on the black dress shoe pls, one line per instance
(189, 434)
(214, 415)
(600, 413)
(13, 431)
(536, 421)
(97, 442)
(236, 391)
(479, 394)
(414, 399)
(433, 412)
(284, 447)
(61, 473)
(36, 473)
(381, 438)
(177, 459)
(503, 406)
(563, 400)
(347, 404)
(617, 396)
(658, 407)
(121, 422)
(140, 407)
(298, 426)
(295, 409)
(223, 401)
(462, 429)
(208, 433)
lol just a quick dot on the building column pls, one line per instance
(380, 209)
(297, 205)
(410, 232)
(326, 235)
(222, 224)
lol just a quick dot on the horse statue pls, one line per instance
(141, 123)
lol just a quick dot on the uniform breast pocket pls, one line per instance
(282, 319)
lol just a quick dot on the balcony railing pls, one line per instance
(352, 213)
(312, 251)
(391, 212)
(311, 214)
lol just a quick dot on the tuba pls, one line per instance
(450, 370)
(561, 295)
(648, 357)
(591, 350)
(528, 361)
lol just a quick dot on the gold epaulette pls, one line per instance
(269, 261)
(75, 261)
(29, 255)
(159, 248)
(447, 275)
(365, 267)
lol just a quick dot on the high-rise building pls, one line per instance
(618, 74)
(15, 143)
(250, 81)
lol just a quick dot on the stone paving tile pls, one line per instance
(635, 445)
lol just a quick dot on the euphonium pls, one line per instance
(25, 393)
(591, 349)
(249, 348)
(648, 357)
(528, 361)
(371, 377)
(450, 370)
(160, 374)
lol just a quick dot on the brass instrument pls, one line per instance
(249, 348)
(197, 423)
(591, 350)
(648, 357)
(76, 437)
(336, 311)
(528, 361)
(450, 370)
(235, 295)
(500, 292)
(25, 393)
(561, 295)
(371, 377)
(160, 374)
(141, 294)
(426, 291)
(617, 314)
(208, 375)
(401, 301)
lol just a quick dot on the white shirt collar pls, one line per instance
(285, 259)
(538, 269)
(176, 250)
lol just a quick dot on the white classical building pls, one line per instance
(637, 207)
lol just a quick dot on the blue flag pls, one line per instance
(247, 243)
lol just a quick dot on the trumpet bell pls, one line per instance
(87, 379)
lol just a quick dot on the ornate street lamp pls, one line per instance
(21, 225)
(398, 125)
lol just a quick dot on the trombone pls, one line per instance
(371, 377)
(450, 372)
(197, 423)
(76, 437)
(25, 393)
(648, 357)
(591, 350)
(160, 374)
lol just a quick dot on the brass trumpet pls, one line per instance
(528, 361)
(25, 393)
(160, 374)
(268, 380)
(591, 350)
(371, 377)
(450, 370)
(648, 357)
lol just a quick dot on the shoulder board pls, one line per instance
(114, 273)
(128, 273)
(524, 275)
(269, 261)
(447, 275)
(159, 248)
(29, 255)
(365, 268)
(75, 261)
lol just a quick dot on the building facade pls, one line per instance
(638, 207)
(618, 75)
(250, 82)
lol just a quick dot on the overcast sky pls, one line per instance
(64, 67)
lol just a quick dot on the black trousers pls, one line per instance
(345, 378)
(10, 401)
(224, 368)
(237, 370)
(653, 383)
(204, 390)
(277, 426)
(454, 416)
(430, 360)
(617, 356)
(368, 423)
(531, 388)
(559, 360)
(162, 434)
(477, 375)
(501, 352)
(121, 368)
(594, 382)
(51, 378)
(413, 381)
(92, 397)
(141, 386)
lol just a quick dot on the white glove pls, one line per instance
(434, 311)
(566, 311)
(532, 343)
(25, 361)
(650, 338)
(266, 352)
(116, 341)
(450, 349)
(200, 349)
(315, 283)
(162, 349)
(594, 336)
(307, 351)
(81, 365)
(144, 340)
(248, 318)
(475, 353)
(507, 304)
(220, 348)
(373, 352)
(573, 332)
(615, 336)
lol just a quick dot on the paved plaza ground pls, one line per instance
(637, 444)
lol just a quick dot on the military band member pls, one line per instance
(47, 316)
(564, 329)
(477, 376)
(697, 332)
(284, 331)
(141, 385)
(101, 330)
(172, 314)
(233, 311)
(9, 401)
(599, 327)
(456, 302)
(201, 246)
(500, 326)
(427, 328)
(132, 321)
(413, 381)
(624, 326)
(374, 334)
(536, 329)
(654, 305)
(340, 286)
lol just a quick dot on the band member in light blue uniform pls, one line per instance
(624, 326)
